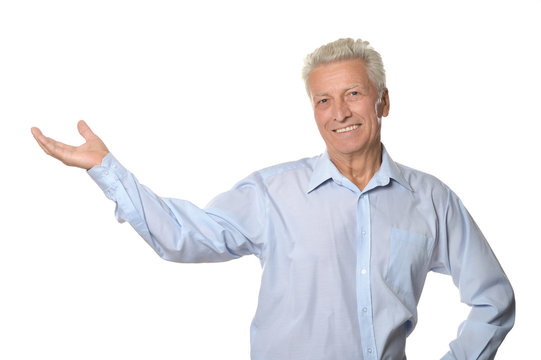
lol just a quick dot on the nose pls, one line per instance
(341, 111)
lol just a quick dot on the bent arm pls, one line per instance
(464, 253)
(180, 231)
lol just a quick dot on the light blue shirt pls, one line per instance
(343, 269)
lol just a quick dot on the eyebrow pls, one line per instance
(346, 89)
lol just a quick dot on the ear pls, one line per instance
(384, 105)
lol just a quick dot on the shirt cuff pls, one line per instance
(108, 175)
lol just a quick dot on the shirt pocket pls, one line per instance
(409, 256)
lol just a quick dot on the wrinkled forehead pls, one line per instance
(338, 75)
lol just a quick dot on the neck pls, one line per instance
(360, 167)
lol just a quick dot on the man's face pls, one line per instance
(347, 108)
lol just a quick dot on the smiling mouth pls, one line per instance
(346, 129)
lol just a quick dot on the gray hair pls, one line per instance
(347, 49)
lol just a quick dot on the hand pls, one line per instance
(86, 156)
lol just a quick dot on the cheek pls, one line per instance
(320, 119)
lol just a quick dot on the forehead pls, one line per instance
(338, 75)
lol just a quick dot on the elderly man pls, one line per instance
(346, 238)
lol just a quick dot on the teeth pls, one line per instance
(349, 128)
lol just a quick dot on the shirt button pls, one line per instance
(106, 172)
(364, 233)
(365, 309)
(363, 271)
(369, 350)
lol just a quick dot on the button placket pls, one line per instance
(364, 293)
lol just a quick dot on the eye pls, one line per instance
(323, 101)
(353, 93)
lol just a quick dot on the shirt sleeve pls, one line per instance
(463, 252)
(230, 227)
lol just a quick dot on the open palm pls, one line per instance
(85, 156)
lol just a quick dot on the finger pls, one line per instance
(50, 143)
(85, 130)
(56, 149)
(61, 145)
(36, 132)
(40, 139)
(44, 148)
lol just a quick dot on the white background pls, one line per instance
(192, 98)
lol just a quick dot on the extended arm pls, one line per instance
(176, 229)
(232, 226)
(464, 253)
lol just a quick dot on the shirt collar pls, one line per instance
(325, 170)
(390, 170)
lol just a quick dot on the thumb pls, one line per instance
(84, 130)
